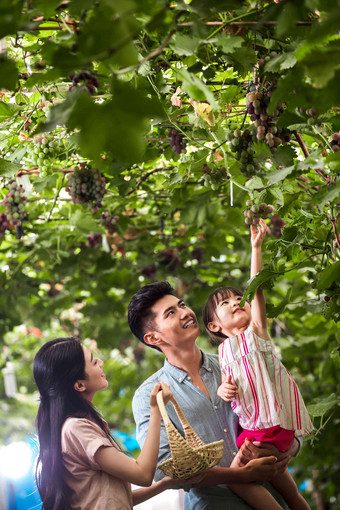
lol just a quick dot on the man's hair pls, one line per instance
(140, 315)
(209, 310)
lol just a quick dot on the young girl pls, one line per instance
(79, 465)
(264, 394)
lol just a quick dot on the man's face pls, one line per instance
(174, 323)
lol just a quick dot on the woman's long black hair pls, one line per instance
(57, 366)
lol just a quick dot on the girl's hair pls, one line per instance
(210, 309)
(57, 366)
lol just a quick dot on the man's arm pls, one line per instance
(257, 470)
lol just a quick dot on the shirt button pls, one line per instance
(189, 378)
(209, 369)
(180, 379)
(216, 407)
(225, 430)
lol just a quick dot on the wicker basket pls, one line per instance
(189, 455)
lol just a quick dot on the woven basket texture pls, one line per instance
(189, 454)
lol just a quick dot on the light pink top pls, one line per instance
(92, 488)
(267, 393)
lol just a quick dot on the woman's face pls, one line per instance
(95, 377)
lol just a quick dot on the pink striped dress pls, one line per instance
(267, 394)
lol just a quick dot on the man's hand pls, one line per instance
(227, 391)
(256, 450)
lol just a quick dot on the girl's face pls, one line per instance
(229, 318)
(95, 377)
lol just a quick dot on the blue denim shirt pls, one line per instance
(212, 419)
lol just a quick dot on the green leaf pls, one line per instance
(229, 43)
(274, 311)
(7, 110)
(185, 44)
(280, 62)
(329, 275)
(323, 404)
(264, 276)
(279, 175)
(8, 74)
(284, 155)
(8, 169)
(329, 193)
(196, 89)
(86, 223)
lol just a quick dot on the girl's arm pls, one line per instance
(141, 470)
(258, 305)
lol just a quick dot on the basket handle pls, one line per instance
(178, 410)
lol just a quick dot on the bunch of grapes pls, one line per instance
(109, 222)
(265, 124)
(254, 212)
(276, 225)
(214, 176)
(43, 152)
(15, 209)
(86, 80)
(86, 185)
(241, 143)
(4, 224)
(335, 143)
(94, 240)
(177, 141)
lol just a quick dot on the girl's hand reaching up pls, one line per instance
(258, 235)
(167, 394)
(227, 391)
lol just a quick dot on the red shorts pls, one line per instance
(279, 437)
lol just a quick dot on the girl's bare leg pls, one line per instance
(286, 486)
(256, 496)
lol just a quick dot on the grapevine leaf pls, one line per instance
(329, 275)
(7, 168)
(86, 223)
(196, 88)
(229, 44)
(279, 175)
(264, 276)
(322, 405)
(274, 311)
(7, 110)
(8, 74)
(329, 193)
(185, 44)
(284, 155)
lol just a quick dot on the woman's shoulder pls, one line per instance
(77, 425)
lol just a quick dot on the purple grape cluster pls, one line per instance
(86, 80)
(276, 225)
(335, 143)
(241, 144)
(14, 204)
(109, 222)
(86, 185)
(254, 212)
(4, 224)
(177, 141)
(214, 176)
(267, 131)
(94, 240)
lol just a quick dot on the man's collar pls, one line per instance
(180, 374)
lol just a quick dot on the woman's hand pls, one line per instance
(167, 394)
(227, 391)
(257, 236)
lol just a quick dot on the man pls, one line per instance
(161, 320)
